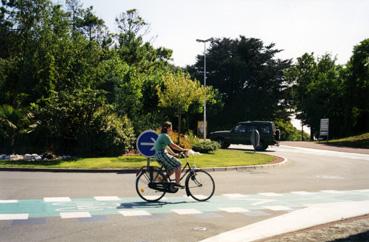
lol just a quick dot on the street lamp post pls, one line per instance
(204, 41)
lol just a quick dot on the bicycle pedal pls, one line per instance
(179, 186)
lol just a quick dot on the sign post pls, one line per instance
(324, 127)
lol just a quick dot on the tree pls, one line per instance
(248, 77)
(356, 90)
(132, 47)
(179, 92)
(81, 122)
(317, 92)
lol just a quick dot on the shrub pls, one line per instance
(110, 135)
(288, 131)
(206, 146)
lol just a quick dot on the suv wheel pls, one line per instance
(261, 147)
(223, 144)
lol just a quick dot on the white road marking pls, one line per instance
(362, 190)
(75, 215)
(332, 191)
(262, 201)
(107, 198)
(270, 194)
(129, 212)
(186, 211)
(277, 208)
(57, 199)
(234, 210)
(154, 197)
(15, 216)
(8, 201)
(234, 195)
(303, 193)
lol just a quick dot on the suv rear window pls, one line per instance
(265, 129)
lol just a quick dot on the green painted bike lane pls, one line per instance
(38, 208)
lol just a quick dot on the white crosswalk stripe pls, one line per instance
(186, 211)
(302, 193)
(8, 201)
(270, 194)
(107, 198)
(134, 212)
(234, 195)
(277, 208)
(57, 199)
(19, 216)
(332, 191)
(75, 215)
(234, 210)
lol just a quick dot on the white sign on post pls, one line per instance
(324, 127)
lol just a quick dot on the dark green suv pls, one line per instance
(246, 133)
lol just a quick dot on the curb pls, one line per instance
(239, 168)
(75, 170)
(135, 170)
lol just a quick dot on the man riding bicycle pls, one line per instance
(165, 155)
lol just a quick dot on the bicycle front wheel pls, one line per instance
(143, 189)
(200, 185)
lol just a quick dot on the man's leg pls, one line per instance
(178, 175)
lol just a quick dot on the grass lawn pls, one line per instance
(359, 141)
(221, 158)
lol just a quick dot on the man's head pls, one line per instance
(166, 126)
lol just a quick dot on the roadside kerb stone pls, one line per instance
(277, 162)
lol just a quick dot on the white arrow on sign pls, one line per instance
(149, 144)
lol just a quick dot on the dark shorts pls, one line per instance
(169, 162)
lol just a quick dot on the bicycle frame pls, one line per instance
(184, 171)
(162, 168)
(183, 174)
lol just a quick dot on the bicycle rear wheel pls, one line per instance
(200, 185)
(143, 189)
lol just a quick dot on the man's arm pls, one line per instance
(176, 147)
(170, 151)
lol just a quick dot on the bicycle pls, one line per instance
(152, 182)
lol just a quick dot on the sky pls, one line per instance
(295, 26)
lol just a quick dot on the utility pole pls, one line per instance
(204, 41)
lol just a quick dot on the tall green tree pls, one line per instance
(136, 91)
(179, 92)
(249, 78)
(317, 92)
(357, 89)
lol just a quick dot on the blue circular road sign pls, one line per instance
(145, 143)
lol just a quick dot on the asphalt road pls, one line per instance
(309, 176)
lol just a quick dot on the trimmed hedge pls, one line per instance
(206, 146)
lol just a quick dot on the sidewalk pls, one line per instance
(319, 222)
(349, 230)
